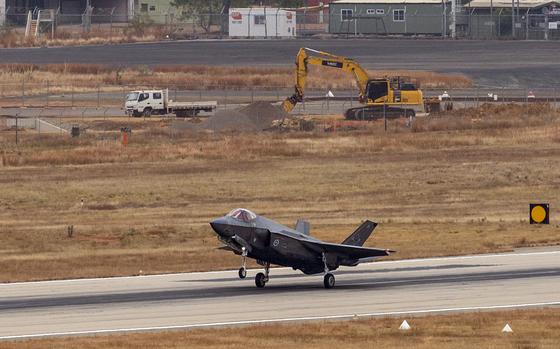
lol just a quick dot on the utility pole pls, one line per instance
(304, 17)
(513, 19)
(492, 16)
(444, 19)
(453, 19)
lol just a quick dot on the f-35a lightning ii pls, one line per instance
(269, 242)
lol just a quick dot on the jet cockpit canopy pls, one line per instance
(242, 214)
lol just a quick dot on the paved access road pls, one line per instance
(520, 279)
(502, 63)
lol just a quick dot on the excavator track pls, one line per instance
(378, 112)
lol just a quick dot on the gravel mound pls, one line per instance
(256, 116)
(262, 114)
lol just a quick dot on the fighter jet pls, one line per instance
(269, 242)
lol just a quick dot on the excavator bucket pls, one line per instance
(289, 103)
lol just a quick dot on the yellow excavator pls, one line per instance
(389, 97)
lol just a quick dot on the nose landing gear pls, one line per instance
(243, 270)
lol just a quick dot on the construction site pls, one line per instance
(111, 173)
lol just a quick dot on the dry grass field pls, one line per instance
(532, 329)
(448, 185)
(75, 35)
(58, 78)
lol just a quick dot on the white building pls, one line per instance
(262, 22)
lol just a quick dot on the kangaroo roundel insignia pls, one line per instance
(276, 242)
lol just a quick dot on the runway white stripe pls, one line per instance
(269, 321)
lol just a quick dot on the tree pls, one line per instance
(205, 12)
(289, 3)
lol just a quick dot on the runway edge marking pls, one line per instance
(269, 321)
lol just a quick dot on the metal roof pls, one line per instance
(381, 2)
(507, 3)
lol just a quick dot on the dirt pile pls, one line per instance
(256, 116)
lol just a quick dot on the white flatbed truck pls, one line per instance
(156, 102)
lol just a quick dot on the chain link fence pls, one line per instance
(56, 100)
(170, 22)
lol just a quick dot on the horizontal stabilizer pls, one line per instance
(360, 235)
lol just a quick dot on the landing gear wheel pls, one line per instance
(260, 280)
(242, 273)
(328, 281)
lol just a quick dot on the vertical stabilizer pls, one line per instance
(360, 235)
(303, 226)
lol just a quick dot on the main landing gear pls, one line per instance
(328, 279)
(243, 270)
(261, 279)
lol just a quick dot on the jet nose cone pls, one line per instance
(220, 225)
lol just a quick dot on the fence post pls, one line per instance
(385, 115)
(526, 102)
(17, 129)
(477, 97)
(527, 25)
(47, 95)
(72, 97)
(23, 92)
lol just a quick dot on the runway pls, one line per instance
(528, 64)
(434, 285)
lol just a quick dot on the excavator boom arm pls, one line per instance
(322, 59)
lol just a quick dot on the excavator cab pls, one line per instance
(389, 90)
(377, 88)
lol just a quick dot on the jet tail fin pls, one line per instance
(303, 226)
(360, 235)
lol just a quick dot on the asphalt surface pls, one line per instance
(496, 63)
(514, 280)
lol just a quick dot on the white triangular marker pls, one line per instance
(404, 326)
(507, 329)
(330, 94)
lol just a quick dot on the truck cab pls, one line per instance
(157, 102)
(145, 102)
